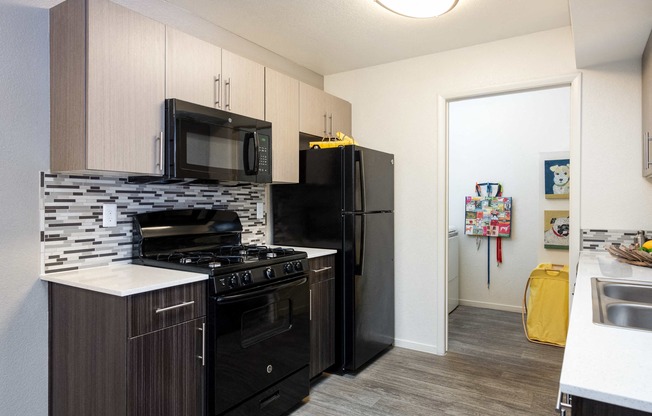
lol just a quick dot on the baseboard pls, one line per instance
(416, 346)
(488, 305)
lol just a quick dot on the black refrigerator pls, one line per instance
(345, 201)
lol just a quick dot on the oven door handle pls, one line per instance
(258, 292)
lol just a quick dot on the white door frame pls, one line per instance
(575, 83)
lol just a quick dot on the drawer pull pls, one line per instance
(169, 308)
(323, 269)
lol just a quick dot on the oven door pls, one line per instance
(257, 338)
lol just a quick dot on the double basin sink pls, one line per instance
(622, 303)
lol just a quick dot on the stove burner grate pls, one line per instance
(225, 255)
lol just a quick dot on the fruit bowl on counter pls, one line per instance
(633, 254)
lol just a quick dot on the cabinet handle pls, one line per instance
(169, 308)
(564, 406)
(323, 269)
(330, 132)
(202, 357)
(325, 125)
(217, 91)
(227, 87)
(310, 305)
(159, 162)
(646, 156)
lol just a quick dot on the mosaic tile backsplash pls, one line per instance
(598, 240)
(72, 235)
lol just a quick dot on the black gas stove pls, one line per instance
(257, 333)
(209, 241)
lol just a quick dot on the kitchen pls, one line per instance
(610, 132)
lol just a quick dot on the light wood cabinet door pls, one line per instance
(193, 69)
(322, 114)
(107, 85)
(647, 109)
(125, 89)
(243, 86)
(312, 111)
(339, 116)
(282, 110)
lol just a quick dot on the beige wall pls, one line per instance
(395, 109)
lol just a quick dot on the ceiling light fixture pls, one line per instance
(418, 8)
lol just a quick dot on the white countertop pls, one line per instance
(606, 363)
(130, 279)
(311, 252)
(124, 280)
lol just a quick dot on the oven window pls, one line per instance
(265, 322)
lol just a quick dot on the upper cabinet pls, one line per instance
(243, 83)
(202, 73)
(282, 110)
(647, 109)
(112, 68)
(107, 80)
(322, 114)
(193, 69)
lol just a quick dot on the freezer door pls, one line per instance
(368, 287)
(368, 180)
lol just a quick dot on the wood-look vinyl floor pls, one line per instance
(490, 369)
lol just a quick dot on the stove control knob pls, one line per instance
(246, 278)
(298, 266)
(269, 273)
(234, 281)
(288, 268)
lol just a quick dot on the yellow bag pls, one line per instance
(545, 310)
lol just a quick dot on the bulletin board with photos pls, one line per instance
(488, 216)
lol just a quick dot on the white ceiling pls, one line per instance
(330, 36)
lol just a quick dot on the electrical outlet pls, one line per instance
(260, 210)
(109, 215)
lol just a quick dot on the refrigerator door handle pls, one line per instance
(359, 160)
(360, 240)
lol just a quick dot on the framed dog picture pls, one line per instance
(557, 178)
(556, 228)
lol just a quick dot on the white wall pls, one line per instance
(500, 139)
(614, 194)
(24, 150)
(395, 109)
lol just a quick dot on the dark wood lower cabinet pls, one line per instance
(322, 314)
(98, 369)
(588, 407)
(165, 371)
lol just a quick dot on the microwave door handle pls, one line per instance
(245, 153)
(256, 161)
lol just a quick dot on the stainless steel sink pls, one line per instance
(622, 303)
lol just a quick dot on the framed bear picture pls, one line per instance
(557, 178)
(556, 229)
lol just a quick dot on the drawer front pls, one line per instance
(321, 268)
(158, 309)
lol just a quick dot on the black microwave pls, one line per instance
(204, 143)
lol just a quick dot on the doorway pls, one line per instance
(500, 297)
